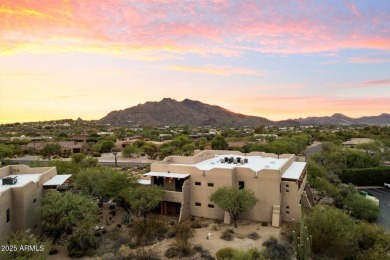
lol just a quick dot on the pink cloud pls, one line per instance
(205, 27)
(370, 83)
(217, 70)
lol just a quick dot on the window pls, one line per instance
(241, 185)
(8, 215)
(287, 190)
(211, 206)
(287, 207)
(287, 186)
(197, 183)
(35, 226)
(198, 204)
(210, 184)
(35, 201)
(288, 212)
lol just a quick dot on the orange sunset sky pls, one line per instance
(276, 59)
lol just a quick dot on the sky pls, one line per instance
(275, 59)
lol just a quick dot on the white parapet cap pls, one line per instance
(57, 180)
(167, 175)
(294, 171)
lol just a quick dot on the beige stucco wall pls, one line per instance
(5, 203)
(20, 200)
(267, 186)
(185, 211)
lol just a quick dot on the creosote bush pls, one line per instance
(228, 235)
(253, 236)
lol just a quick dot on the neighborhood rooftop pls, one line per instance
(22, 179)
(255, 163)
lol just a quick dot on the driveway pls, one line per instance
(384, 204)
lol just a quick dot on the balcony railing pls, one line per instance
(173, 196)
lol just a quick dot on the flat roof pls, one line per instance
(167, 174)
(145, 182)
(294, 171)
(23, 179)
(57, 180)
(255, 163)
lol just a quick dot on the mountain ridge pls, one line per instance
(169, 111)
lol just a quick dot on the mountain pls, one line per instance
(340, 119)
(187, 112)
(194, 113)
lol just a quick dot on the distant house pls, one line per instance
(67, 147)
(21, 191)
(355, 141)
(125, 141)
(165, 136)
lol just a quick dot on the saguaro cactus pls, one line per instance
(302, 242)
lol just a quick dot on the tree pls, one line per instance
(21, 240)
(362, 208)
(51, 149)
(143, 199)
(219, 143)
(103, 182)
(6, 151)
(78, 157)
(151, 150)
(235, 201)
(332, 232)
(131, 150)
(60, 212)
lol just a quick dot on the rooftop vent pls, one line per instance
(10, 180)
(267, 166)
(272, 162)
(245, 160)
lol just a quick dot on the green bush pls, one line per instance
(82, 244)
(144, 254)
(53, 251)
(196, 224)
(253, 236)
(225, 253)
(227, 235)
(276, 250)
(362, 208)
(366, 177)
(332, 232)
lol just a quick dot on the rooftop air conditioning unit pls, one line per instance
(10, 180)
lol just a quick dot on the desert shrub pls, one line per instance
(171, 233)
(82, 244)
(144, 254)
(112, 207)
(228, 235)
(362, 208)
(225, 253)
(276, 250)
(198, 248)
(253, 236)
(53, 251)
(214, 227)
(196, 224)
(149, 232)
(171, 252)
(332, 231)
(252, 253)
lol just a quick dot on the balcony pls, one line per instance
(173, 196)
